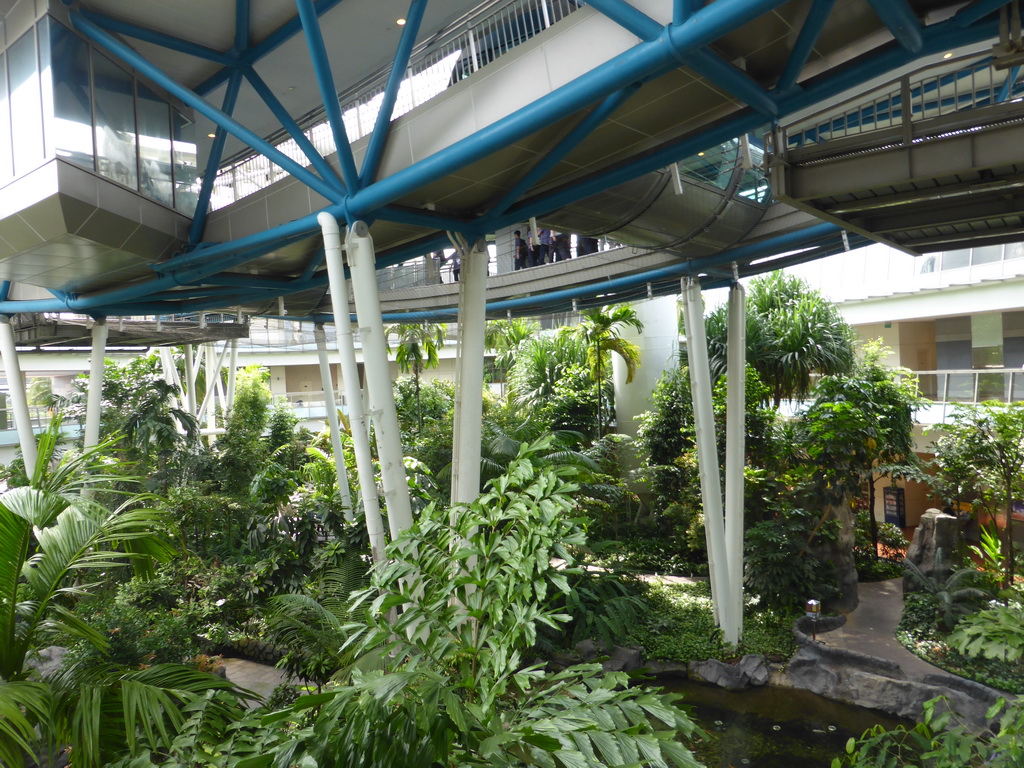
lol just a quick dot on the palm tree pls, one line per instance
(52, 533)
(793, 335)
(601, 331)
(505, 336)
(416, 350)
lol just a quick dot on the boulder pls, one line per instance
(748, 671)
(935, 541)
(623, 659)
(47, 660)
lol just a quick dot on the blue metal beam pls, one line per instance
(132, 58)
(159, 38)
(805, 41)
(314, 264)
(271, 43)
(288, 123)
(571, 140)
(939, 37)
(977, 10)
(901, 21)
(195, 231)
(375, 150)
(628, 67)
(1007, 87)
(732, 80)
(628, 17)
(5, 290)
(242, 18)
(325, 80)
(684, 9)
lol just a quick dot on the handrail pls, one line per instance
(452, 54)
(937, 89)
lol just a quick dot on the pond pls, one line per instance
(773, 727)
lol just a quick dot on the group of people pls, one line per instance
(551, 247)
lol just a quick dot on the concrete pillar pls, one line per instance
(94, 397)
(659, 352)
(19, 397)
(363, 266)
(470, 375)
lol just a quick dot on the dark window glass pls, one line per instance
(185, 191)
(115, 122)
(155, 146)
(26, 104)
(72, 101)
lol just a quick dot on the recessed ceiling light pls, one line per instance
(948, 55)
(400, 22)
(700, 154)
(211, 135)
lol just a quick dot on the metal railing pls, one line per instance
(972, 386)
(948, 87)
(447, 57)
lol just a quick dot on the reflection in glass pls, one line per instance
(72, 103)
(185, 192)
(155, 146)
(115, 122)
(26, 106)
(6, 155)
(956, 259)
(961, 388)
(988, 254)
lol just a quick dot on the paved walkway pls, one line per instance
(871, 628)
(258, 678)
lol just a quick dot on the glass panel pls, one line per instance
(6, 153)
(988, 254)
(155, 146)
(1015, 251)
(25, 103)
(1017, 387)
(956, 259)
(991, 386)
(185, 188)
(961, 388)
(987, 341)
(72, 102)
(115, 122)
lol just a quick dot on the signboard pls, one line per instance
(895, 505)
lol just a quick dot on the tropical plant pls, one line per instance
(445, 683)
(601, 331)
(243, 451)
(992, 633)
(793, 334)
(953, 596)
(992, 435)
(940, 740)
(416, 348)
(541, 362)
(504, 337)
(52, 535)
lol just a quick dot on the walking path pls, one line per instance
(871, 629)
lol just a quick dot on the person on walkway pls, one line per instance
(562, 252)
(545, 255)
(521, 259)
(586, 245)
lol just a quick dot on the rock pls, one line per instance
(587, 649)
(935, 541)
(805, 670)
(623, 659)
(47, 660)
(755, 668)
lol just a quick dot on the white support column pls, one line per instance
(735, 454)
(19, 397)
(214, 363)
(362, 262)
(331, 405)
(232, 373)
(94, 398)
(190, 380)
(707, 450)
(350, 378)
(469, 401)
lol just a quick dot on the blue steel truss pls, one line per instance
(195, 280)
